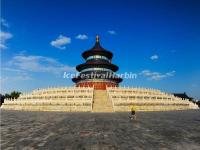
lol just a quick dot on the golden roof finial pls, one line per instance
(97, 38)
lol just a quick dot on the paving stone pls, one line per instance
(174, 130)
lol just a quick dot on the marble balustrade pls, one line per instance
(144, 99)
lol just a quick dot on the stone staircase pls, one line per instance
(101, 102)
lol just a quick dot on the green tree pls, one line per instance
(198, 103)
(7, 96)
(15, 94)
(12, 95)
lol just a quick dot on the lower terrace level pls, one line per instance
(87, 99)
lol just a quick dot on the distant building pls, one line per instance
(2, 99)
(183, 96)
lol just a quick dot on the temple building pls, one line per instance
(98, 70)
(97, 90)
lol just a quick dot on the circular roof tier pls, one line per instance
(97, 64)
(97, 50)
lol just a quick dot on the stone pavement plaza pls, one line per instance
(100, 131)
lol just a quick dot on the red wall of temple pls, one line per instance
(97, 85)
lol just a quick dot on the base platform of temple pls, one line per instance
(97, 85)
(88, 99)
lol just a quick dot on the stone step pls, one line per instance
(101, 102)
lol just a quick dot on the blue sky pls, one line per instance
(157, 39)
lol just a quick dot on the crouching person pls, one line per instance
(133, 113)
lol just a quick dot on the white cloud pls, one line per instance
(3, 46)
(82, 37)
(24, 68)
(24, 77)
(11, 69)
(61, 41)
(154, 57)
(12, 74)
(4, 23)
(170, 74)
(156, 75)
(21, 69)
(4, 36)
(39, 64)
(112, 32)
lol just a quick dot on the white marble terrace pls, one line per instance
(54, 99)
(145, 99)
(75, 99)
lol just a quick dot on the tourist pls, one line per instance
(133, 113)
